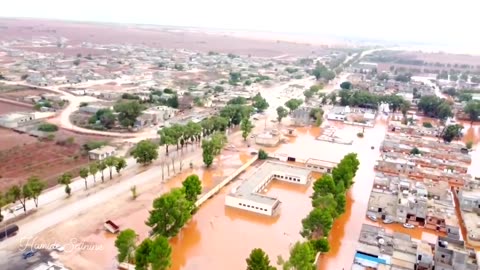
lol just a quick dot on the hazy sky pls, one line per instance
(451, 22)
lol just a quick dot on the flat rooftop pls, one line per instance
(248, 188)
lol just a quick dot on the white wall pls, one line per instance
(248, 205)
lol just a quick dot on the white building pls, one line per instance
(17, 119)
(338, 113)
(102, 152)
(246, 196)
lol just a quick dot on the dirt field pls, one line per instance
(161, 37)
(20, 94)
(11, 139)
(22, 156)
(9, 108)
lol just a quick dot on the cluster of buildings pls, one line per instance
(422, 182)
(379, 249)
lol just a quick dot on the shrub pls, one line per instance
(360, 134)
(427, 124)
(469, 145)
(46, 127)
(83, 104)
(262, 154)
(50, 137)
(94, 145)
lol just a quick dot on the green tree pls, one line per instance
(302, 257)
(170, 212)
(346, 85)
(167, 137)
(237, 101)
(125, 244)
(326, 202)
(120, 164)
(207, 153)
(333, 98)
(93, 168)
(246, 126)
(434, 106)
(258, 260)
(262, 154)
(469, 145)
(84, 172)
(415, 151)
(128, 111)
(33, 188)
(341, 200)
(308, 94)
(281, 113)
(66, 179)
(472, 108)
(260, 103)
(15, 193)
(452, 132)
(293, 104)
(101, 167)
(320, 245)
(145, 152)
(160, 256)
(192, 187)
(142, 253)
(323, 186)
(111, 162)
(318, 223)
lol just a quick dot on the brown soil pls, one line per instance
(20, 94)
(22, 156)
(9, 108)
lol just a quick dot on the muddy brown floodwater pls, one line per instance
(219, 237)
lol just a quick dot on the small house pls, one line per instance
(101, 153)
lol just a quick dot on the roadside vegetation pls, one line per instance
(171, 211)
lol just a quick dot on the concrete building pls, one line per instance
(93, 108)
(452, 255)
(155, 115)
(271, 138)
(301, 116)
(407, 201)
(17, 119)
(378, 249)
(246, 196)
(102, 152)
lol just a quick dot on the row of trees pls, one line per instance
(22, 193)
(329, 202)
(365, 99)
(34, 185)
(170, 213)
